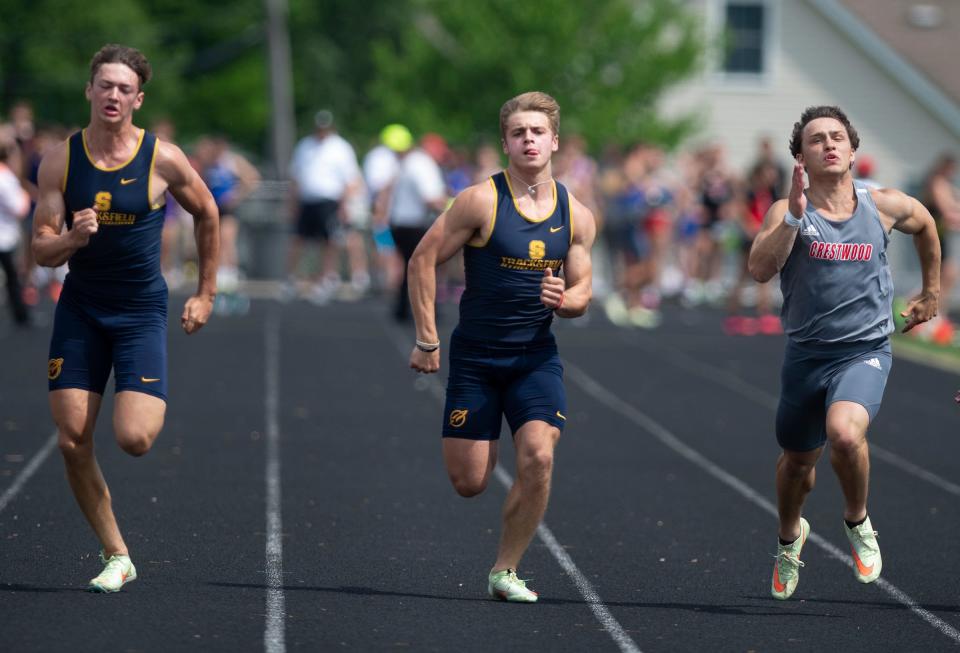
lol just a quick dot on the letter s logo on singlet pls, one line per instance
(458, 417)
(538, 249)
(103, 201)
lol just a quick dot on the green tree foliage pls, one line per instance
(46, 46)
(606, 62)
(437, 65)
(208, 61)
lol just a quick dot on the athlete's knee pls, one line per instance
(846, 437)
(535, 464)
(468, 484)
(796, 466)
(136, 441)
(74, 442)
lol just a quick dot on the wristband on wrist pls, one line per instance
(791, 221)
(427, 346)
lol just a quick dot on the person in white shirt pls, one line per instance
(325, 174)
(417, 197)
(14, 207)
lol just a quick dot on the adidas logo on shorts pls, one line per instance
(873, 362)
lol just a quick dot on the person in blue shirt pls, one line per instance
(100, 209)
(526, 245)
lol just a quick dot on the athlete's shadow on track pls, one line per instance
(17, 587)
(747, 609)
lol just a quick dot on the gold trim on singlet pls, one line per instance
(136, 150)
(516, 205)
(493, 215)
(153, 159)
(66, 170)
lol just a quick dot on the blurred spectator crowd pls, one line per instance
(674, 227)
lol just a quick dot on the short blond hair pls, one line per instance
(531, 101)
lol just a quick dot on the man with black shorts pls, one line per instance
(325, 176)
(829, 244)
(517, 230)
(106, 186)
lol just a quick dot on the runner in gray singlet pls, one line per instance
(829, 244)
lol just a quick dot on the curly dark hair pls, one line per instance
(131, 57)
(812, 113)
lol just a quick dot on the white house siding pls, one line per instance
(811, 63)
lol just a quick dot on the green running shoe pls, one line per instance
(786, 570)
(119, 571)
(505, 585)
(866, 551)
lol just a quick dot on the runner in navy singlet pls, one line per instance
(829, 244)
(518, 230)
(101, 209)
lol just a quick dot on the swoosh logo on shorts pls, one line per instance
(560, 415)
(146, 380)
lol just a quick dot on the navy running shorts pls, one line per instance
(490, 381)
(816, 375)
(91, 337)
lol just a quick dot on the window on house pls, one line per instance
(745, 24)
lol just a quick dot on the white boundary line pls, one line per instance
(274, 637)
(28, 471)
(664, 435)
(758, 395)
(600, 611)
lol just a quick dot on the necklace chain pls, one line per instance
(530, 186)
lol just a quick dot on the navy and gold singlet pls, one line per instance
(501, 302)
(123, 257)
(503, 358)
(112, 313)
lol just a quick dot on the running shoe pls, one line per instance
(119, 571)
(786, 570)
(505, 585)
(866, 552)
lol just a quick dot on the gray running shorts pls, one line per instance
(816, 375)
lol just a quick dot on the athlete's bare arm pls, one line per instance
(52, 246)
(907, 215)
(576, 286)
(467, 220)
(775, 239)
(183, 182)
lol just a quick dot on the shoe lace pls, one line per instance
(862, 534)
(111, 564)
(513, 578)
(788, 564)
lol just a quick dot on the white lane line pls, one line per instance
(760, 396)
(625, 643)
(664, 435)
(28, 471)
(274, 636)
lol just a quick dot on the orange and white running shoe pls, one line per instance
(117, 572)
(505, 585)
(786, 570)
(866, 552)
